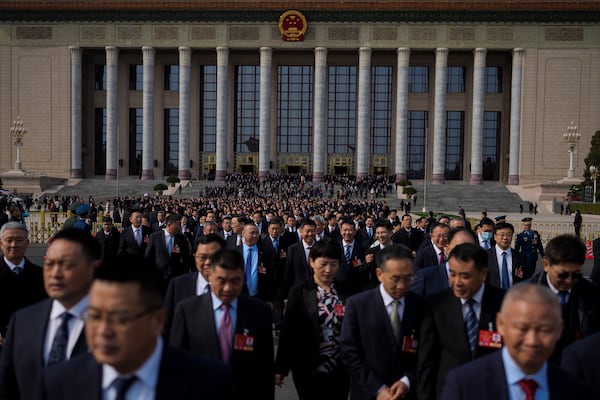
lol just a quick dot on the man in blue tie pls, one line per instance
(258, 273)
(506, 266)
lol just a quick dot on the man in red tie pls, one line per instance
(530, 324)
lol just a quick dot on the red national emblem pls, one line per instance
(292, 25)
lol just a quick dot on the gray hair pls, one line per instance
(319, 218)
(13, 225)
(532, 293)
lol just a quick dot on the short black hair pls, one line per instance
(565, 248)
(89, 245)
(327, 248)
(382, 223)
(486, 221)
(276, 221)
(348, 221)
(228, 259)
(504, 225)
(394, 252)
(470, 252)
(173, 219)
(307, 221)
(206, 239)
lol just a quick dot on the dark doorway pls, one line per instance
(247, 168)
(337, 170)
(293, 169)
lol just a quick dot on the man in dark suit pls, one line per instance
(436, 278)
(160, 222)
(134, 238)
(260, 222)
(109, 238)
(383, 238)
(135, 363)
(431, 251)
(388, 363)
(51, 331)
(582, 360)
(454, 319)
(226, 231)
(366, 234)
(21, 281)
(530, 325)
(225, 325)
(506, 266)
(258, 273)
(296, 265)
(353, 272)
(332, 229)
(407, 235)
(237, 227)
(193, 283)
(168, 249)
(579, 298)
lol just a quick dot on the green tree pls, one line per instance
(593, 157)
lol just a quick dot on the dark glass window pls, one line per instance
(493, 79)
(172, 77)
(294, 108)
(341, 123)
(136, 134)
(381, 109)
(171, 141)
(491, 145)
(100, 77)
(455, 128)
(247, 100)
(417, 144)
(418, 79)
(456, 79)
(100, 141)
(136, 77)
(208, 108)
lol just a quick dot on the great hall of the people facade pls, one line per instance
(469, 91)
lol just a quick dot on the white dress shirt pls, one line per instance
(75, 325)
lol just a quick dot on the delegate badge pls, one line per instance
(243, 342)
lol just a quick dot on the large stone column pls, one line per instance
(185, 60)
(148, 114)
(112, 123)
(364, 113)
(320, 116)
(76, 133)
(477, 122)
(222, 100)
(264, 149)
(401, 156)
(439, 118)
(515, 117)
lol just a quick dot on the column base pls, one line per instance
(360, 176)
(318, 177)
(76, 173)
(513, 179)
(110, 174)
(476, 179)
(263, 176)
(438, 179)
(400, 176)
(147, 174)
(220, 176)
(184, 174)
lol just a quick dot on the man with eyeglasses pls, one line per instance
(579, 298)
(384, 368)
(128, 359)
(506, 266)
(51, 331)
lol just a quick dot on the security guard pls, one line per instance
(529, 243)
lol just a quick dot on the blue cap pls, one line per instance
(82, 209)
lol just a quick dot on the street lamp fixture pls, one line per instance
(17, 132)
(571, 137)
(594, 172)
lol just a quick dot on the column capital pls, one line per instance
(403, 56)
(479, 54)
(222, 55)
(148, 53)
(112, 54)
(518, 54)
(441, 57)
(185, 55)
(364, 55)
(320, 56)
(75, 55)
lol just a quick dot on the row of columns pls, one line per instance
(319, 117)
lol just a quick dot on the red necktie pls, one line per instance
(529, 386)
(442, 258)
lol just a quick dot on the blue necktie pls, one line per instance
(347, 254)
(250, 274)
(122, 385)
(486, 244)
(58, 351)
(563, 296)
(276, 245)
(471, 324)
(170, 244)
(505, 279)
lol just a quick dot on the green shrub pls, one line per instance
(160, 187)
(409, 190)
(404, 182)
(172, 179)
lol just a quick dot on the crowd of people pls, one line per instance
(365, 303)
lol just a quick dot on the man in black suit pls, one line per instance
(387, 364)
(226, 231)
(297, 268)
(580, 299)
(194, 283)
(260, 222)
(407, 235)
(237, 227)
(366, 234)
(332, 229)
(134, 238)
(431, 251)
(530, 325)
(258, 273)
(21, 281)
(160, 222)
(226, 325)
(51, 331)
(168, 249)
(582, 360)
(353, 272)
(128, 358)
(455, 319)
(109, 238)
(383, 238)
(506, 266)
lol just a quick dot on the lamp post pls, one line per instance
(571, 136)
(594, 173)
(17, 132)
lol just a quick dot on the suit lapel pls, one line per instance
(495, 377)
(310, 301)
(41, 325)
(488, 314)
(456, 322)
(206, 326)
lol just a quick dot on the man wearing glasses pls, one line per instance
(506, 266)
(579, 299)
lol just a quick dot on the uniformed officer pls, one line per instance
(529, 243)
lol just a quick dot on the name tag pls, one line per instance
(262, 269)
(490, 339)
(519, 272)
(409, 344)
(356, 263)
(175, 249)
(243, 342)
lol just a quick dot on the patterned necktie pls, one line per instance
(58, 351)
(563, 297)
(122, 385)
(505, 278)
(347, 254)
(225, 333)
(486, 244)
(395, 320)
(471, 324)
(529, 386)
